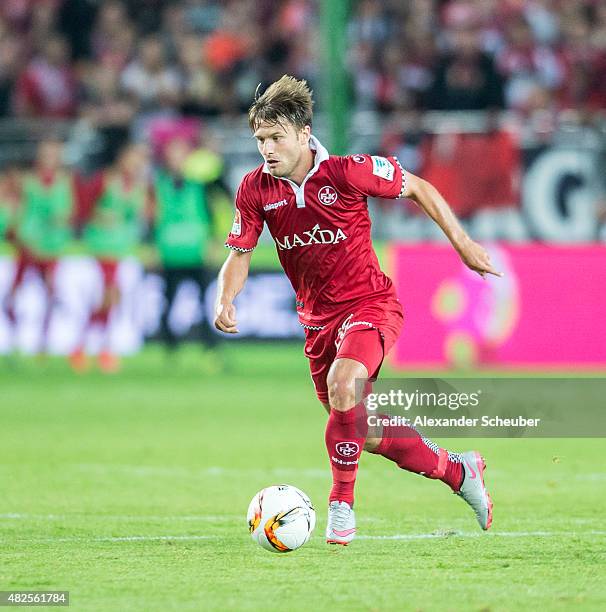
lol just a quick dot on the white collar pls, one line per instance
(321, 155)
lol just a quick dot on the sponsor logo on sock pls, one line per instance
(472, 474)
(347, 449)
(341, 462)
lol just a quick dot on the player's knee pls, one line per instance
(341, 390)
(372, 444)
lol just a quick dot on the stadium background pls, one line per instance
(123, 487)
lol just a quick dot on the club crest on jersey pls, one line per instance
(314, 236)
(327, 195)
(236, 228)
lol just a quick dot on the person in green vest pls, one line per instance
(115, 202)
(207, 166)
(182, 230)
(43, 227)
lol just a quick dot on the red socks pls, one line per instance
(99, 317)
(345, 436)
(405, 446)
(346, 433)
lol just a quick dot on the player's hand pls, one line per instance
(476, 258)
(225, 318)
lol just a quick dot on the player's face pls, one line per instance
(50, 154)
(176, 154)
(133, 160)
(282, 146)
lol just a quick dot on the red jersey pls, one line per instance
(321, 229)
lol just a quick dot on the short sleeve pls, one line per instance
(247, 226)
(375, 176)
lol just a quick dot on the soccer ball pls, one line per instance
(281, 518)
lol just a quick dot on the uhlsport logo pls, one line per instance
(314, 236)
(347, 449)
(359, 159)
(275, 205)
(327, 195)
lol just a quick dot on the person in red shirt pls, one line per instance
(112, 210)
(315, 206)
(43, 227)
(47, 87)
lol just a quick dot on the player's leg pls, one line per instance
(108, 361)
(172, 278)
(405, 452)
(78, 358)
(406, 447)
(345, 436)
(334, 381)
(402, 444)
(47, 269)
(371, 442)
(203, 277)
(321, 351)
(346, 428)
(99, 317)
(462, 472)
(21, 265)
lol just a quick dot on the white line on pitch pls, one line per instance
(119, 517)
(51, 540)
(397, 536)
(215, 518)
(464, 534)
(155, 470)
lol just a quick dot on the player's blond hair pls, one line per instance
(287, 100)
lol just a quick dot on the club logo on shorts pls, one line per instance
(347, 325)
(347, 449)
(327, 195)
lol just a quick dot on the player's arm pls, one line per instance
(473, 255)
(231, 280)
(242, 239)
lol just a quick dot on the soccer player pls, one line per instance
(43, 225)
(117, 198)
(315, 207)
(182, 222)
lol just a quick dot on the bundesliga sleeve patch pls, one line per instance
(382, 168)
(236, 228)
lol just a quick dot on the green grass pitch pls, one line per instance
(130, 491)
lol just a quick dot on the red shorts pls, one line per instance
(26, 259)
(109, 271)
(366, 334)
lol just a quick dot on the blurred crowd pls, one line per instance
(525, 55)
(108, 60)
(112, 60)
